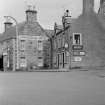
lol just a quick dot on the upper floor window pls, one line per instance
(77, 39)
(55, 45)
(22, 53)
(22, 44)
(40, 45)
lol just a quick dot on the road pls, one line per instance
(52, 88)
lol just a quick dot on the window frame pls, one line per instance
(40, 44)
(22, 44)
(80, 38)
(23, 62)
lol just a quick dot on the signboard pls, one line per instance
(82, 53)
(77, 59)
(77, 47)
(78, 53)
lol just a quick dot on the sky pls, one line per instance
(49, 11)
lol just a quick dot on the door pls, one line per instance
(58, 61)
(63, 60)
(1, 63)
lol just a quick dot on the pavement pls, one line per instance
(98, 72)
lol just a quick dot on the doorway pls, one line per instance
(63, 60)
(58, 61)
(1, 63)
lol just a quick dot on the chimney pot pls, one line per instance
(7, 25)
(31, 14)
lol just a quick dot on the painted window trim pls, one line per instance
(80, 38)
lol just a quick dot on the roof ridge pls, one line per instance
(25, 28)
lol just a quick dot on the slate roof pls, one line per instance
(50, 33)
(24, 28)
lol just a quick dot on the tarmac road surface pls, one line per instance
(52, 88)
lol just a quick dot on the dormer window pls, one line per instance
(77, 39)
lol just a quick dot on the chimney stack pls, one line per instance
(88, 6)
(102, 1)
(8, 24)
(31, 14)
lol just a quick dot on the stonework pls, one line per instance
(88, 24)
(86, 47)
(60, 41)
(29, 54)
(76, 43)
(31, 51)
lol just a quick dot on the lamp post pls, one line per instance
(14, 67)
(66, 23)
(68, 53)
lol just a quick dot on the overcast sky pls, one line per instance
(49, 11)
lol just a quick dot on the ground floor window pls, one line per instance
(54, 61)
(23, 62)
(40, 62)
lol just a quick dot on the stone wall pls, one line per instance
(93, 38)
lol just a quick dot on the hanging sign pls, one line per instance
(82, 53)
(77, 59)
(78, 53)
(77, 47)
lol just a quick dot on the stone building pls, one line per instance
(22, 45)
(86, 38)
(60, 41)
(48, 50)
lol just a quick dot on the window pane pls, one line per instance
(22, 44)
(40, 45)
(23, 62)
(77, 39)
